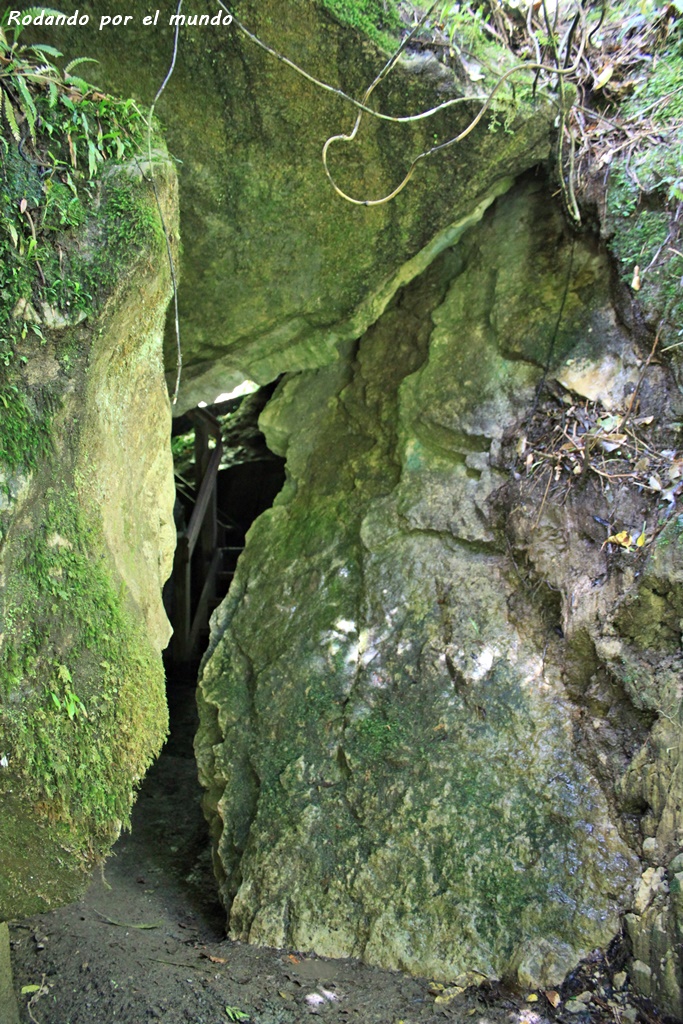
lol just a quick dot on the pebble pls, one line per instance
(579, 1003)
(574, 1006)
(620, 979)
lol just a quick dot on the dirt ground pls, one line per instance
(147, 943)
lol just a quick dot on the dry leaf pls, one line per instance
(654, 483)
(623, 539)
(636, 283)
(612, 445)
(553, 998)
(604, 77)
(532, 998)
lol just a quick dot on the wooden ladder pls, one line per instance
(198, 558)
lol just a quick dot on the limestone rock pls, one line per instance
(86, 543)
(9, 1010)
(389, 760)
(277, 269)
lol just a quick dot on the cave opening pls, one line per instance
(226, 477)
(221, 460)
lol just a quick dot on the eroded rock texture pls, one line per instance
(277, 270)
(86, 543)
(388, 719)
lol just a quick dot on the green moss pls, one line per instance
(124, 224)
(80, 264)
(375, 18)
(645, 192)
(72, 660)
(644, 232)
(24, 436)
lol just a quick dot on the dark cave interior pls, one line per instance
(233, 487)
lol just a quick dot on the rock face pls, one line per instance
(86, 543)
(277, 269)
(441, 721)
(388, 734)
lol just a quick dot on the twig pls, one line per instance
(42, 991)
(122, 924)
(175, 963)
(615, 476)
(631, 403)
(540, 511)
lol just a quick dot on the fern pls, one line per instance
(44, 48)
(10, 116)
(28, 107)
(74, 64)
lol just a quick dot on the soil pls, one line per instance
(147, 943)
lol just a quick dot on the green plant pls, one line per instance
(57, 132)
(235, 1014)
(68, 701)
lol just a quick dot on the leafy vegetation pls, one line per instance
(57, 135)
(234, 1013)
(642, 145)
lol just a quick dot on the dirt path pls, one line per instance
(182, 970)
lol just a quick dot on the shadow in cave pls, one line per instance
(225, 478)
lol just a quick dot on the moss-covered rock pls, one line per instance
(8, 1000)
(86, 543)
(277, 269)
(389, 761)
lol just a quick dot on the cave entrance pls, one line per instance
(226, 476)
